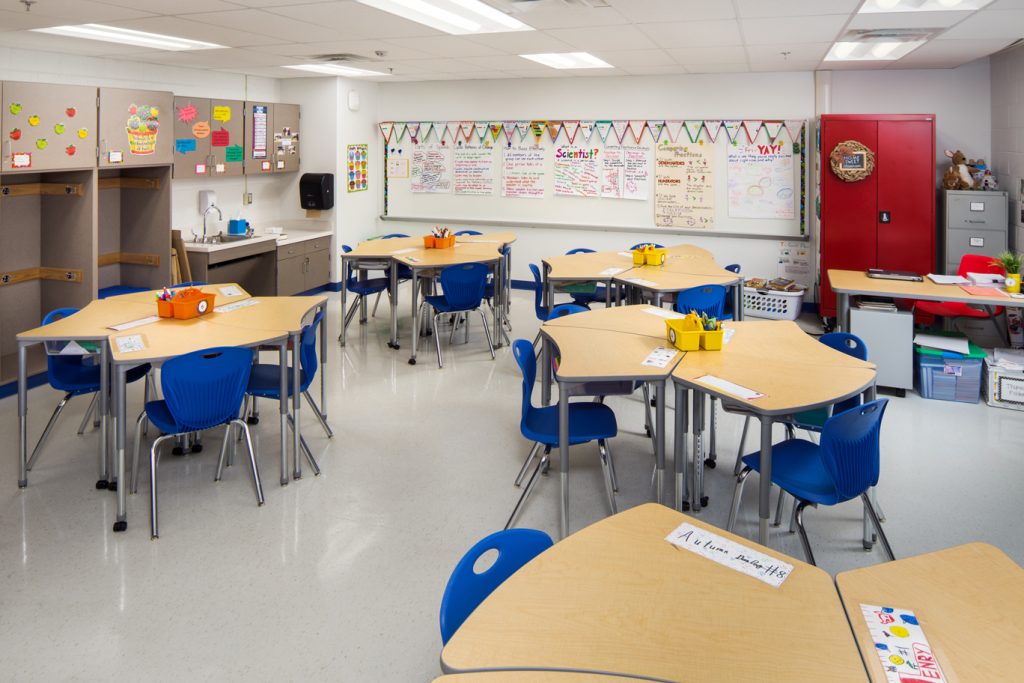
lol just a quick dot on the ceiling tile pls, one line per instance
(782, 30)
(630, 58)
(278, 3)
(266, 24)
(58, 12)
(717, 68)
(654, 70)
(522, 42)
(354, 20)
(597, 37)
(989, 24)
(61, 44)
(765, 67)
(218, 59)
(947, 53)
(692, 34)
(907, 19)
(448, 46)
(173, 6)
(755, 9)
(508, 63)
(197, 30)
(641, 11)
(798, 52)
(541, 16)
(453, 66)
(365, 49)
(733, 54)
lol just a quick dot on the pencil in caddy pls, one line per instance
(183, 304)
(695, 332)
(650, 255)
(440, 238)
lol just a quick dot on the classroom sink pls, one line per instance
(221, 238)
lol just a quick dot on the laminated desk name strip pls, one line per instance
(130, 343)
(730, 388)
(662, 313)
(227, 308)
(135, 323)
(641, 282)
(901, 645)
(730, 554)
(659, 357)
(404, 251)
(230, 291)
(611, 271)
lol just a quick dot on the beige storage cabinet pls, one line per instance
(271, 138)
(48, 127)
(302, 266)
(975, 223)
(135, 227)
(136, 128)
(208, 137)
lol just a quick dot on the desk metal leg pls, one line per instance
(323, 364)
(282, 387)
(843, 313)
(415, 314)
(868, 541)
(104, 407)
(563, 455)
(659, 439)
(120, 388)
(343, 335)
(393, 286)
(737, 301)
(22, 415)
(363, 301)
(497, 275)
(697, 500)
(764, 497)
(545, 372)
(679, 452)
(296, 407)
(618, 294)
(608, 294)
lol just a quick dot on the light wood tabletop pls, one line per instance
(641, 319)
(594, 355)
(534, 676)
(170, 337)
(384, 248)
(92, 322)
(499, 238)
(857, 282)
(968, 600)
(225, 293)
(617, 598)
(659, 279)
(596, 265)
(280, 313)
(457, 255)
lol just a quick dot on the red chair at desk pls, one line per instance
(969, 263)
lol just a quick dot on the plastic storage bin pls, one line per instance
(947, 376)
(767, 303)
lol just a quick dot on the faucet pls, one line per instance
(220, 217)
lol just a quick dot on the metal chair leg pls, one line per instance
(605, 455)
(778, 508)
(223, 452)
(142, 420)
(737, 494)
(437, 341)
(526, 492)
(252, 461)
(526, 463)
(304, 447)
(49, 428)
(739, 452)
(799, 516)
(712, 459)
(878, 525)
(321, 418)
(611, 470)
(88, 413)
(154, 458)
(376, 302)
(487, 331)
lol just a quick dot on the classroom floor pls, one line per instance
(339, 577)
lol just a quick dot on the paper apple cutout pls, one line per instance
(33, 120)
(15, 108)
(71, 111)
(15, 134)
(83, 133)
(41, 143)
(58, 128)
(70, 150)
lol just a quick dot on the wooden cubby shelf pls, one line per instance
(128, 257)
(47, 189)
(124, 182)
(26, 274)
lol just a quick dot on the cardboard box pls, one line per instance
(1004, 383)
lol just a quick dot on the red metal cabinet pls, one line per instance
(902, 186)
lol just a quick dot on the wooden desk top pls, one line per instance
(522, 676)
(497, 238)
(275, 313)
(150, 296)
(593, 355)
(633, 319)
(439, 258)
(384, 248)
(92, 322)
(616, 597)
(857, 282)
(169, 338)
(969, 601)
(660, 279)
(587, 266)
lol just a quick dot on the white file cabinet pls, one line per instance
(889, 336)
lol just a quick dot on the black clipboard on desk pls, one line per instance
(905, 275)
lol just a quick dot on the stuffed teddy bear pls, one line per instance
(988, 181)
(959, 175)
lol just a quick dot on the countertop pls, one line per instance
(290, 237)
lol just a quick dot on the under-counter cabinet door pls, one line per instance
(286, 138)
(291, 275)
(259, 138)
(48, 127)
(136, 128)
(318, 268)
(192, 137)
(227, 144)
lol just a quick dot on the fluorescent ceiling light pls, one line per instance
(871, 50)
(876, 6)
(336, 70)
(569, 60)
(126, 36)
(458, 17)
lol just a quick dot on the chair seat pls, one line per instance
(587, 422)
(440, 304)
(160, 416)
(265, 378)
(71, 375)
(369, 286)
(797, 468)
(953, 309)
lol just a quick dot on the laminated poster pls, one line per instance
(355, 177)
(761, 181)
(474, 170)
(432, 168)
(576, 172)
(625, 173)
(684, 195)
(259, 131)
(523, 172)
(901, 646)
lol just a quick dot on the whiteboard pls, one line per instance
(598, 212)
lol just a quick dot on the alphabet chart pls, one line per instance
(901, 645)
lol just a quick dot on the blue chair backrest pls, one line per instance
(393, 236)
(579, 250)
(733, 268)
(350, 278)
(463, 233)
(195, 283)
(466, 588)
(566, 309)
(538, 293)
(709, 299)
(850, 344)
(644, 244)
(54, 363)
(523, 351)
(850, 447)
(464, 285)
(307, 350)
(205, 388)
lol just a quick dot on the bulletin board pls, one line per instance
(708, 176)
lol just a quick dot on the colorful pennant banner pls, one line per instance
(619, 127)
(587, 128)
(637, 127)
(386, 129)
(732, 129)
(655, 126)
(554, 128)
(793, 127)
(495, 128)
(673, 127)
(773, 128)
(712, 126)
(753, 127)
(602, 129)
(571, 128)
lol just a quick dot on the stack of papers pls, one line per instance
(986, 278)
(1008, 359)
(934, 341)
(948, 279)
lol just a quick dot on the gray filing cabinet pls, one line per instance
(889, 336)
(974, 223)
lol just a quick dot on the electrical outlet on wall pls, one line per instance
(247, 198)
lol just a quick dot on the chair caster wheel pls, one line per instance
(412, 361)
(102, 484)
(647, 430)
(120, 526)
(867, 546)
(654, 403)
(686, 506)
(710, 464)
(177, 450)
(393, 346)
(112, 486)
(703, 501)
(253, 420)
(197, 448)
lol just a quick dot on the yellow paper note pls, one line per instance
(222, 114)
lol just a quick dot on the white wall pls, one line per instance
(763, 95)
(1008, 134)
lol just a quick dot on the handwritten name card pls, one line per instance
(730, 554)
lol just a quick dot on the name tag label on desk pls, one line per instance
(729, 387)
(227, 308)
(135, 323)
(641, 282)
(130, 343)
(230, 291)
(662, 313)
(611, 271)
(659, 357)
(404, 251)
(901, 645)
(731, 554)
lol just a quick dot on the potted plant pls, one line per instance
(1010, 262)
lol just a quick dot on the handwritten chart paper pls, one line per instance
(523, 172)
(901, 645)
(624, 173)
(730, 554)
(761, 181)
(474, 170)
(576, 172)
(432, 168)
(684, 178)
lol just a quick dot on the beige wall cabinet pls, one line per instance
(208, 137)
(136, 128)
(48, 127)
(271, 138)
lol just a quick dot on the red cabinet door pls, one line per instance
(905, 168)
(848, 210)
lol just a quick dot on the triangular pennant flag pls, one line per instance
(509, 127)
(465, 129)
(655, 126)
(571, 128)
(587, 128)
(753, 127)
(386, 129)
(619, 127)
(773, 128)
(399, 131)
(693, 127)
(554, 128)
(713, 127)
(673, 127)
(637, 126)
(441, 129)
(495, 128)
(793, 127)
(602, 129)
(481, 130)
(524, 129)
(414, 127)
(538, 128)
(732, 129)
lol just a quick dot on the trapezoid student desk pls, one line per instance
(968, 600)
(616, 598)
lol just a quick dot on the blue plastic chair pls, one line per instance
(730, 314)
(644, 244)
(464, 233)
(202, 390)
(194, 283)
(599, 295)
(75, 377)
(844, 466)
(467, 588)
(707, 299)
(404, 272)
(264, 382)
(463, 288)
(361, 288)
(587, 422)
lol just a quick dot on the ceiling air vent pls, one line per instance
(886, 35)
(342, 57)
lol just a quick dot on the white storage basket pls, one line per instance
(766, 303)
